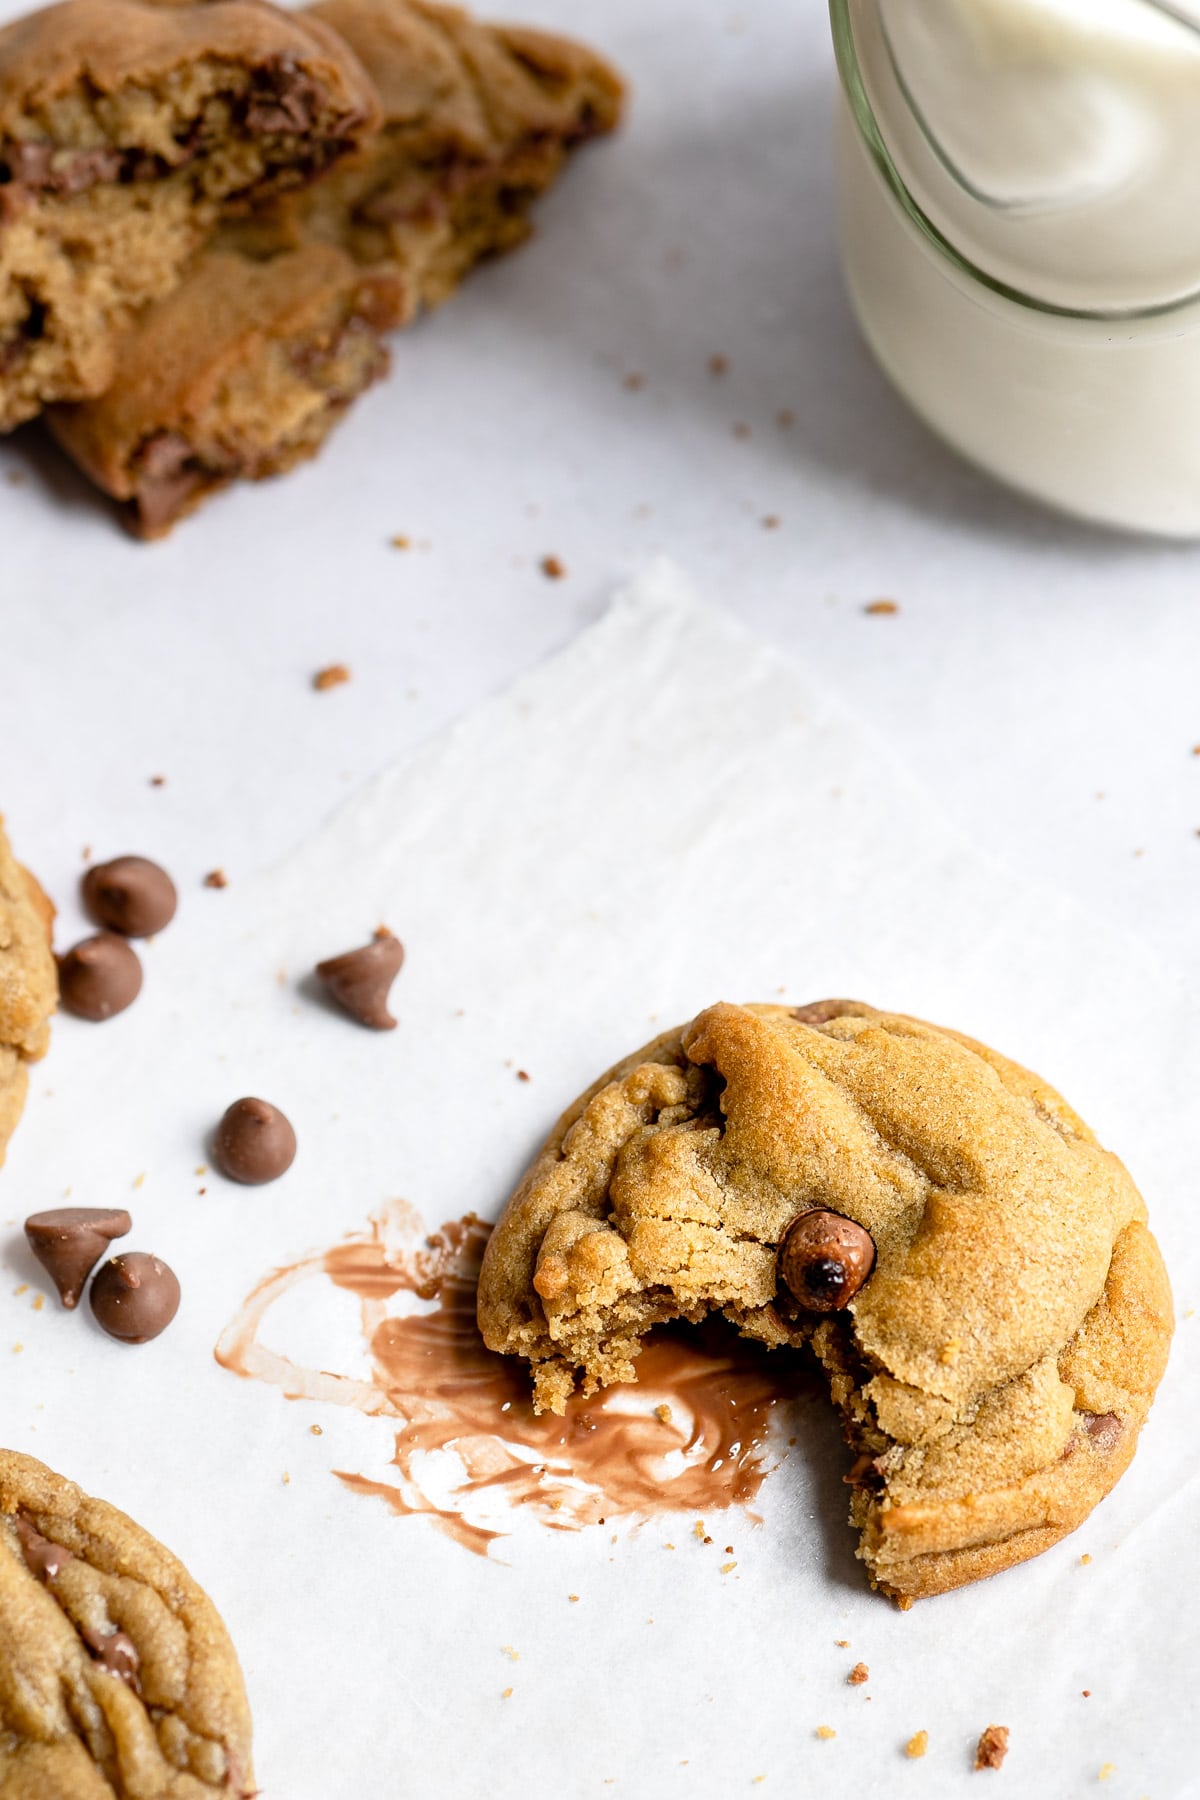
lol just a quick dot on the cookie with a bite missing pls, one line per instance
(125, 128)
(973, 1271)
(118, 1680)
(28, 984)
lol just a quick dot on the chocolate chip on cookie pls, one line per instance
(99, 978)
(134, 1297)
(824, 1259)
(359, 979)
(69, 1241)
(130, 895)
(254, 1143)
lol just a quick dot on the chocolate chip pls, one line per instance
(114, 1651)
(1103, 1428)
(254, 1142)
(134, 1297)
(69, 1241)
(99, 978)
(824, 1259)
(359, 979)
(131, 895)
(42, 1557)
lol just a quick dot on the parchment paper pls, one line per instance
(664, 815)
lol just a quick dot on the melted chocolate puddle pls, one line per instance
(692, 1435)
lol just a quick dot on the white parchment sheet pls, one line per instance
(664, 815)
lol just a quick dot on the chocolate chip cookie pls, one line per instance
(117, 1678)
(125, 127)
(972, 1270)
(28, 986)
(242, 372)
(478, 121)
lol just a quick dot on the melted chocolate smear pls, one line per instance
(692, 1435)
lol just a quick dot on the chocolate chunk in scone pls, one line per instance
(117, 1676)
(239, 374)
(973, 1271)
(478, 120)
(125, 128)
(28, 984)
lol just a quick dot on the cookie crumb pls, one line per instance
(316, 1431)
(401, 541)
(1105, 1771)
(826, 1731)
(1085, 1558)
(512, 1655)
(842, 1643)
(39, 1300)
(858, 1674)
(718, 366)
(574, 1599)
(634, 384)
(524, 1075)
(216, 878)
(285, 1478)
(992, 1748)
(785, 419)
(333, 675)
(158, 781)
(917, 1744)
(553, 568)
(1087, 1693)
(741, 431)
(507, 1694)
(726, 1567)
(771, 522)
(23, 1289)
(698, 1532)
(663, 1414)
(881, 608)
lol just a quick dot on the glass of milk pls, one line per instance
(1019, 194)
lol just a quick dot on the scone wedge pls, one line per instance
(994, 1352)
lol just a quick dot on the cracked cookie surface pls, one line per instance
(125, 128)
(117, 1678)
(28, 984)
(993, 1371)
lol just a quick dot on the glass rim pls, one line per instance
(854, 89)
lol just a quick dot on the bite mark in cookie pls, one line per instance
(1016, 1293)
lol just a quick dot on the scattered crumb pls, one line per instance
(698, 1532)
(858, 1674)
(950, 1351)
(553, 568)
(158, 781)
(39, 1300)
(507, 1694)
(512, 1655)
(771, 522)
(401, 541)
(87, 853)
(881, 608)
(718, 366)
(23, 1289)
(216, 878)
(1105, 1770)
(992, 1748)
(729, 1549)
(663, 1415)
(842, 1643)
(334, 675)
(741, 431)
(785, 419)
(707, 1539)
(634, 383)
(17, 1349)
(1087, 1693)
(139, 1179)
(1196, 749)
(668, 1546)
(286, 1478)
(574, 1599)
(200, 1169)
(316, 1431)
(523, 1075)
(1085, 1558)
(917, 1744)
(726, 1568)
(826, 1731)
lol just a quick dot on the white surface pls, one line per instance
(664, 815)
(1033, 666)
